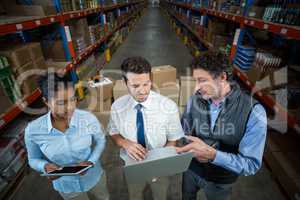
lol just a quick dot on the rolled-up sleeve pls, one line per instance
(249, 158)
(36, 158)
(98, 139)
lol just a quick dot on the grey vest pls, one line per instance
(227, 133)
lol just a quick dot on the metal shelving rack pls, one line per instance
(61, 17)
(281, 29)
(133, 9)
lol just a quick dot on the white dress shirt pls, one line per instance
(161, 120)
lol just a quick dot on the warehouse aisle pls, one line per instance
(153, 39)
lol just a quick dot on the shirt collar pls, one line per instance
(146, 104)
(73, 121)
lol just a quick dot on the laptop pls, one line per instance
(158, 162)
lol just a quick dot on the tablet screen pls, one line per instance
(69, 170)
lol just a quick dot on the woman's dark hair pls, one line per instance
(51, 82)
(213, 62)
(137, 65)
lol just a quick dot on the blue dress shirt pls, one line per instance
(82, 141)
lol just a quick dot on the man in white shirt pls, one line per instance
(143, 120)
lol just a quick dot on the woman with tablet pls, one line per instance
(66, 143)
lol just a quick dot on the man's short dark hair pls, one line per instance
(137, 65)
(51, 82)
(213, 62)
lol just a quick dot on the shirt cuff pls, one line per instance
(93, 161)
(41, 166)
(220, 159)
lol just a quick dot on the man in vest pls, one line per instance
(226, 131)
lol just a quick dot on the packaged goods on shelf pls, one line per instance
(245, 56)
(18, 55)
(69, 5)
(256, 12)
(283, 14)
(54, 50)
(3, 62)
(263, 64)
(6, 102)
(80, 45)
(37, 9)
(220, 41)
(8, 85)
(15, 166)
(94, 33)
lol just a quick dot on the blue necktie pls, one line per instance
(140, 125)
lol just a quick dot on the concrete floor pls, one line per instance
(152, 38)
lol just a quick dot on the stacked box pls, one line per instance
(54, 50)
(187, 88)
(104, 119)
(163, 75)
(120, 89)
(18, 55)
(100, 95)
(170, 90)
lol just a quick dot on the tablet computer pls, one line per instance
(68, 171)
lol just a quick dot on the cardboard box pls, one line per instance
(104, 119)
(54, 50)
(171, 91)
(32, 10)
(18, 55)
(56, 65)
(187, 87)
(40, 63)
(163, 75)
(100, 97)
(120, 89)
(30, 80)
(35, 50)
